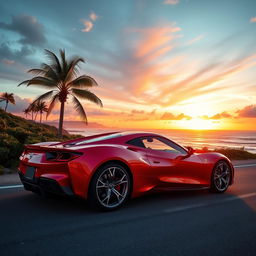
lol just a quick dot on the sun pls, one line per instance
(199, 124)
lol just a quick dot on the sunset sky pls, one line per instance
(188, 64)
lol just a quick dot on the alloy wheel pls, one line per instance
(112, 187)
(221, 176)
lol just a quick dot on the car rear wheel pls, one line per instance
(221, 176)
(110, 187)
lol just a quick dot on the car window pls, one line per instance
(157, 143)
(136, 142)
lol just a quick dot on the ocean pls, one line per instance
(194, 138)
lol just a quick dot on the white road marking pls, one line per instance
(193, 206)
(11, 186)
(244, 165)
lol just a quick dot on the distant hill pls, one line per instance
(16, 131)
(76, 124)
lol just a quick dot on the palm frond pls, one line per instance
(41, 106)
(83, 81)
(41, 81)
(51, 71)
(24, 82)
(54, 59)
(79, 108)
(37, 71)
(8, 97)
(52, 104)
(42, 97)
(12, 100)
(87, 95)
(73, 67)
(64, 63)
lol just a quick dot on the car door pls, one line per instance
(170, 165)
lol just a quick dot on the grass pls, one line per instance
(236, 154)
(17, 131)
(231, 153)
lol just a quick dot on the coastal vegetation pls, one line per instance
(60, 75)
(17, 131)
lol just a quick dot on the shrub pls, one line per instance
(17, 131)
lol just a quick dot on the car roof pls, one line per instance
(113, 137)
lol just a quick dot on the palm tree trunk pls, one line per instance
(6, 105)
(61, 118)
(36, 115)
(40, 117)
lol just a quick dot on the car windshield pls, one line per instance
(106, 137)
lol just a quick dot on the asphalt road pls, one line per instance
(170, 223)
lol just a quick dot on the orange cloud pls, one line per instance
(148, 49)
(248, 111)
(253, 19)
(153, 39)
(221, 115)
(8, 62)
(171, 2)
(201, 82)
(88, 25)
(171, 116)
(93, 16)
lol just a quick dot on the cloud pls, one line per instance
(221, 115)
(171, 2)
(153, 40)
(171, 116)
(248, 111)
(88, 25)
(194, 40)
(18, 59)
(142, 58)
(30, 30)
(253, 19)
(8, 62)
(201, 82)
(93, 16)
(135, 111)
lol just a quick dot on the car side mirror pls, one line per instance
(190, 151)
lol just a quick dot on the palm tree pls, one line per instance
(61, 76)
(40, 108)
(7, 97)
(26, 111)
(31, 109)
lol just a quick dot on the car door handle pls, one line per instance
(156, 162)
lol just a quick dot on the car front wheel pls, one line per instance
(221, 176)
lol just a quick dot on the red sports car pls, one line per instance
(109, 168)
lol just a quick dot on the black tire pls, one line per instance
(110, 187)
(221, 176)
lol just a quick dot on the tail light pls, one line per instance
(56, 156)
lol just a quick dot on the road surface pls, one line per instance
(170, 223)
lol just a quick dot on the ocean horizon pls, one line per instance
(211, 139)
